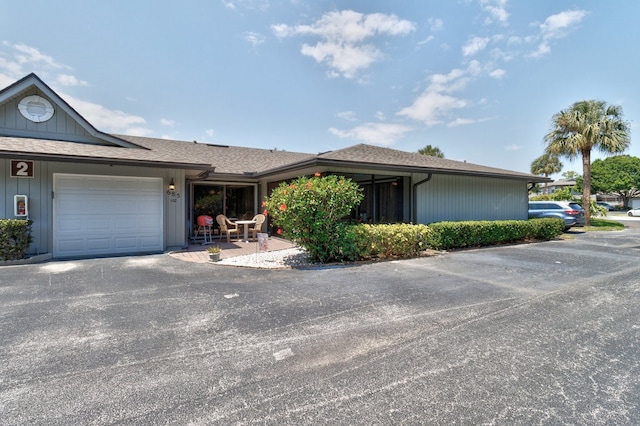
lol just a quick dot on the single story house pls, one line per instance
(558, 185)
(90, 193)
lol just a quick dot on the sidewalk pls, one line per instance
(198, 253)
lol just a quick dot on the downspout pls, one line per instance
(374, 204)
(414, 208)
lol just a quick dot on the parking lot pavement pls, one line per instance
(543, 333)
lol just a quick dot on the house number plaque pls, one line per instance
(22, 168)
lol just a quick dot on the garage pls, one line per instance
(106, 215)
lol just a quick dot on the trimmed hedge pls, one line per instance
(365, 241)
(449, 235)
(15, 237)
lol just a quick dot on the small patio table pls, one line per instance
(246, 224)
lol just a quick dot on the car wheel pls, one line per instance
(629, 214)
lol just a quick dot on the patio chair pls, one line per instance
(259, 218)
(226, 226)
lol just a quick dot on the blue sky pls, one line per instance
(479, 79)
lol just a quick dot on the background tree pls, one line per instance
(570, 175)
(617, 175)
(547, 164)
(585, 126)
(433, 151)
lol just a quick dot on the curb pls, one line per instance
(28, 261)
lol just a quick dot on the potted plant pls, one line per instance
(214, 253)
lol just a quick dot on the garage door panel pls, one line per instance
(96, 224)
(97, 245)
(125, 224)
(68, 224)
(101, 215)
(150, 241)
(125, 243)
(71, 244)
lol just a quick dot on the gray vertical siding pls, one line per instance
(455, 198)
(61, 123)
(39, 189)
(36, 189)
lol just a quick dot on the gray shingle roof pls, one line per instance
(225, 159)
(393, 158)
(76, 151)
(233, 160)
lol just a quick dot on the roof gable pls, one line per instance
(65, 124)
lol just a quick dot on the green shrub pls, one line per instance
(311, 212)
(386, 240)
(448, 235)
(15, 237)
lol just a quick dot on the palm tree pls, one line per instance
(547, 164)
(433, 151)
(585, 126)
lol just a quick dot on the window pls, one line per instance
(236, 201)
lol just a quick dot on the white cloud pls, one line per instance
(106, 120)
(543, 49)
(17, 60)
(384, 134)
(431, 106)
(31, 55)
(497, 74)
(497, 10)
(210, 132)
(513, 147)
(343, 60)
(347, 115)
(474, 45)
(343, 35)
(437, 101)
(255, 39)
(5, 80)
(70, 80)
(168, 123)
(425, 41)
(556, 27)
(461, 122)
(380, 116)
(260, 5)
(435, 24)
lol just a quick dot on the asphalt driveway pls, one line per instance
(545, 333)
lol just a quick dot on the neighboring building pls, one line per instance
(94, 194)
(558, 185)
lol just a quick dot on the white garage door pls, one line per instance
(104, 215)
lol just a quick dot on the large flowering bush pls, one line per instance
(311, 212)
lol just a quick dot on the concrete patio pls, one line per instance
(197, 252)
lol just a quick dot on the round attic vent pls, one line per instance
(35, 108)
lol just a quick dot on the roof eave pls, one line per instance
(104, 160)
(406, 169)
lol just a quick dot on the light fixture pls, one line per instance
(172, 185)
